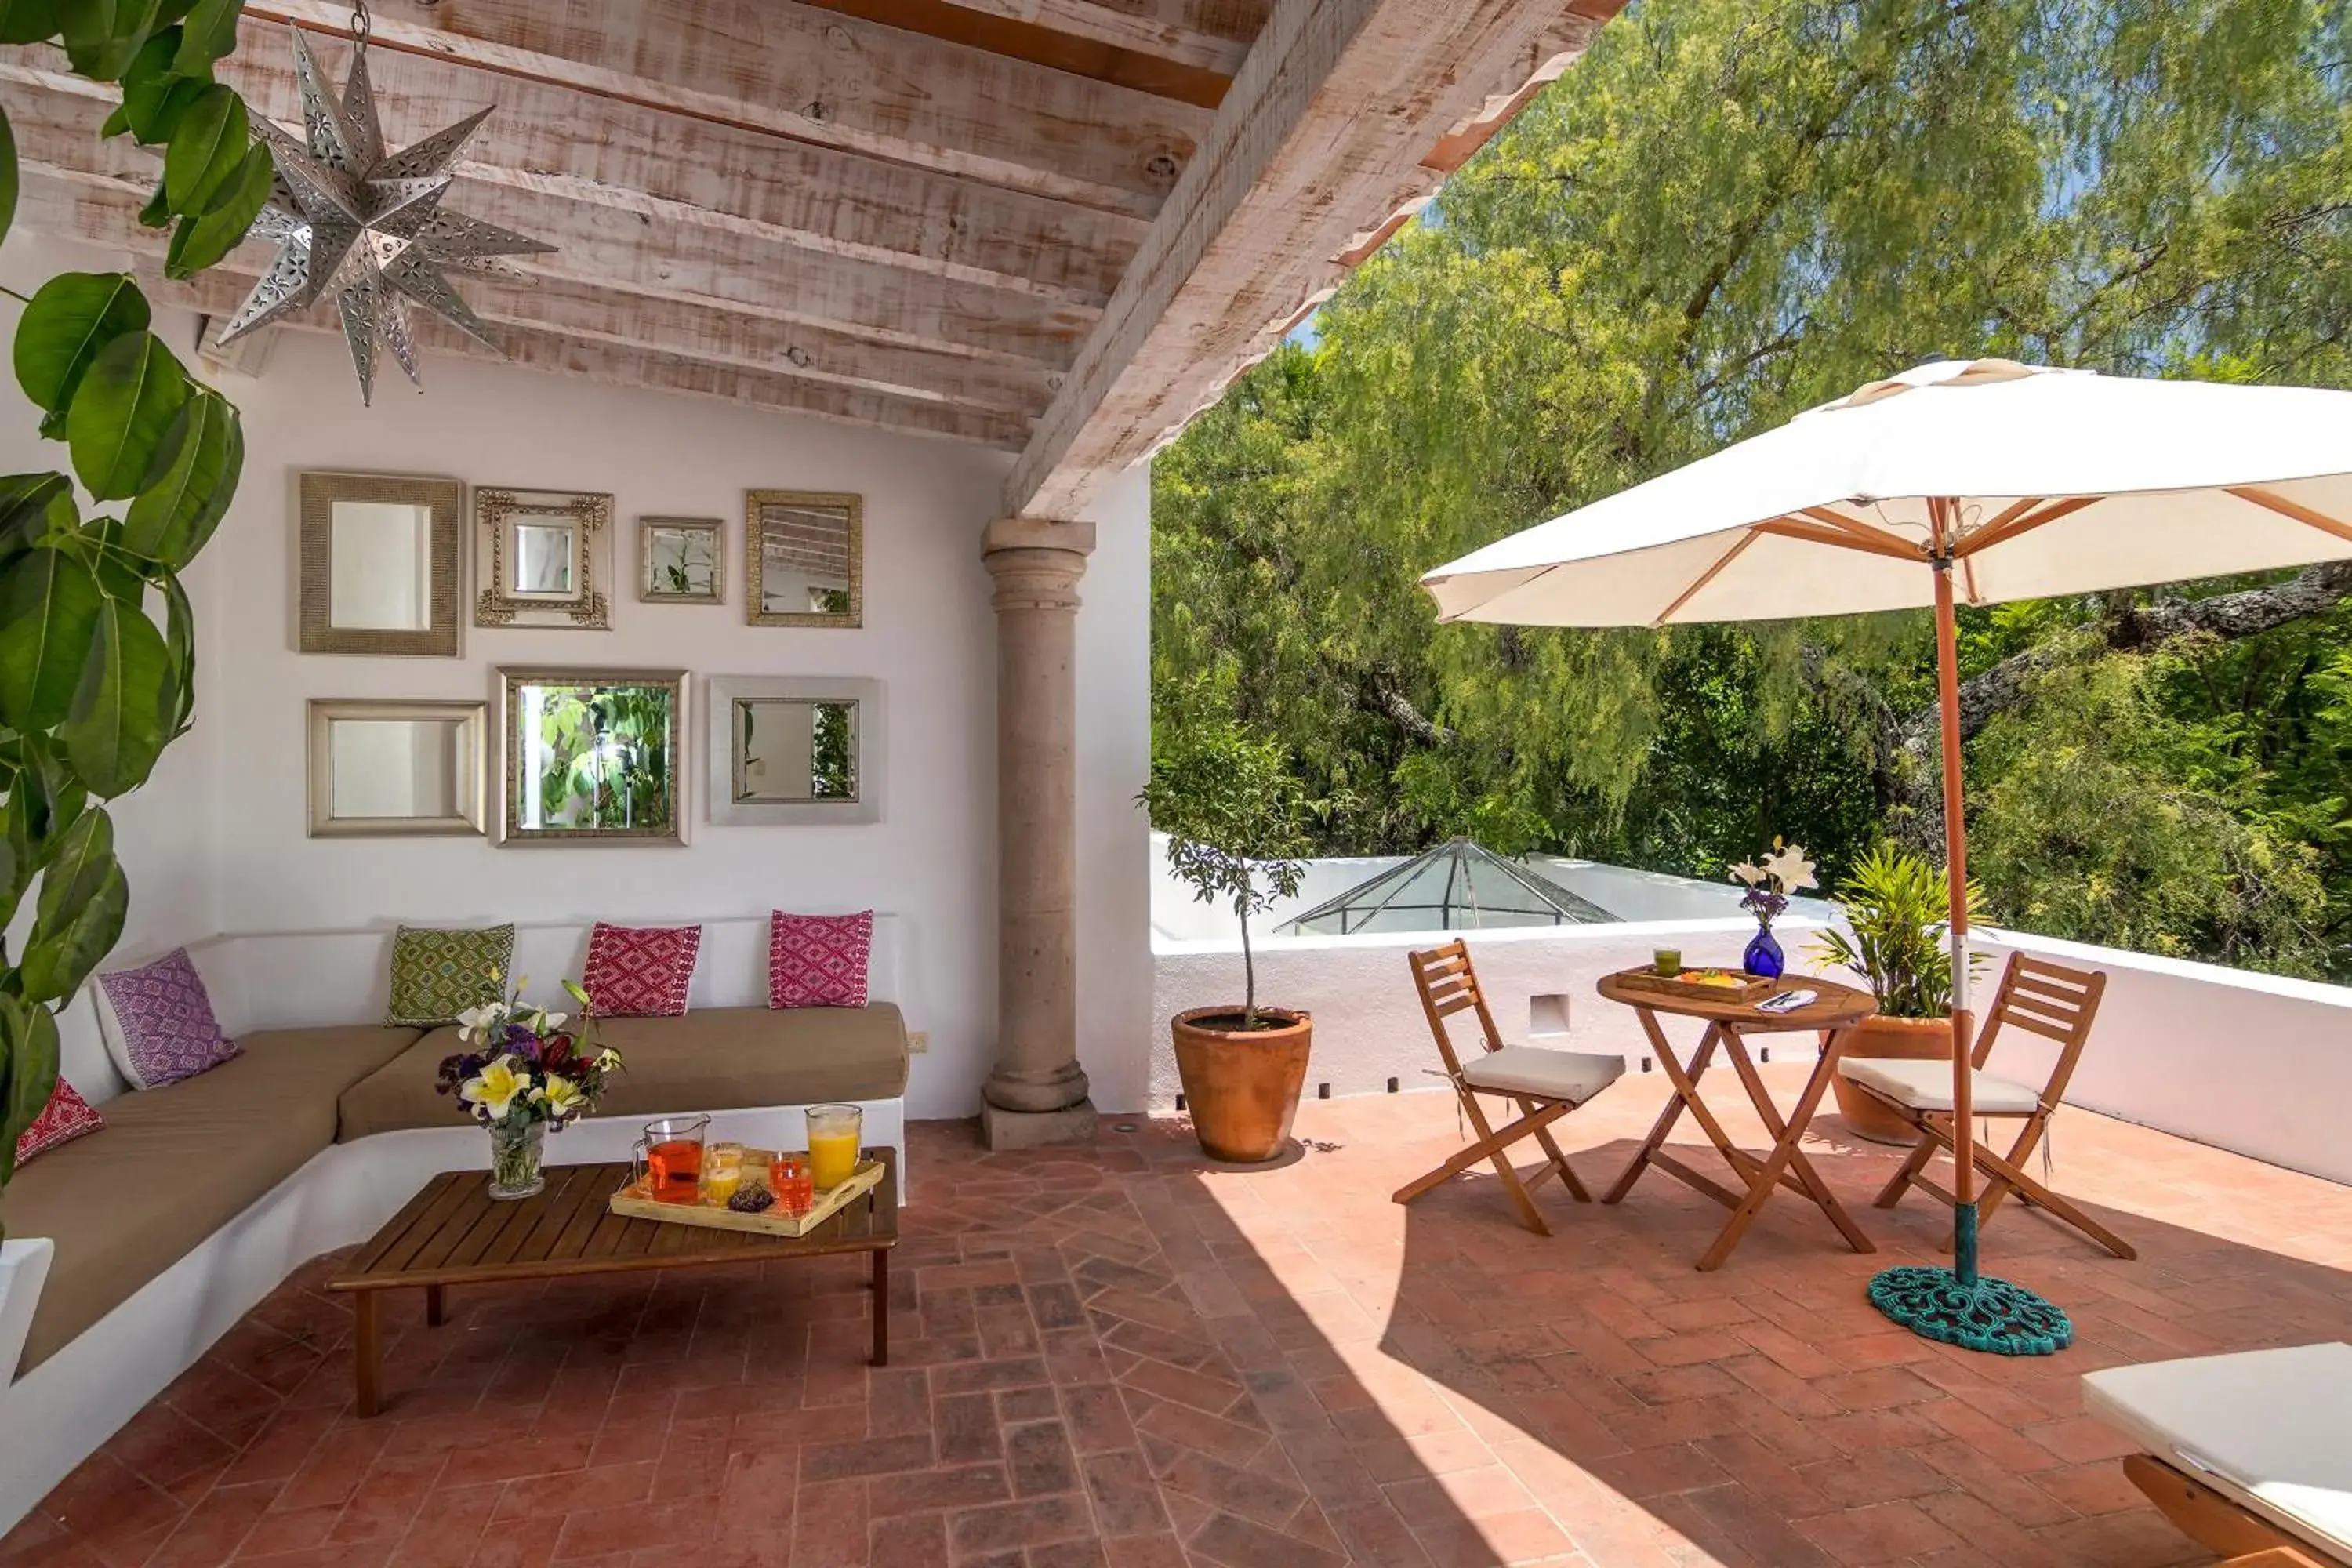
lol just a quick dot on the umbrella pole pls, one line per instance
(1955, 853)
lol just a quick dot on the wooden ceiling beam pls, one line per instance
(1212, 34)
(1328, 132)
(1094, 41)
(797, 73)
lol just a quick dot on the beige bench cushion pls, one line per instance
(1926, 1085)
(715, 1059)
(2271, 1429)
(1572, 1076)
(174, 1164)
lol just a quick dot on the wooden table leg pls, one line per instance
(435, 1316)
(1685, 1096)
(881, 1306)
(364, 1352)
(1767, 1175)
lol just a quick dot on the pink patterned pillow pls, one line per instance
(818, 960)
(640, 972)
(66, 1118)
(158, 1023)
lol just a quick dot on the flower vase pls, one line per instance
(514, 1159)
(1763, 958)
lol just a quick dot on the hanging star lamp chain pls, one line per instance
(352, 218)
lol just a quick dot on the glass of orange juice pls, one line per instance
(833, 1137)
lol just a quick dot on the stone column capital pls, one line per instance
(1036, 564)
(1037, 534)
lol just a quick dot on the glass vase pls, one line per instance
(1763, 957)
(514, 1159)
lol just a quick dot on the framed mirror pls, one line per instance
(682, 561)
(378, 563)
(381, 769)
(804, 551)
(542, 559)
(591, 756)
(787, 749)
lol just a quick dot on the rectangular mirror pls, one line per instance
(805, 550)
(392, 768)
(378, 563)
(794, 750)
(590, 755)
(544, 558)
(682, 561)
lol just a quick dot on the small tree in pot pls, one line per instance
(1898, 907)
(1234, 819)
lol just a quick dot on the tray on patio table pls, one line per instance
(632, 1199)
(1750, 987)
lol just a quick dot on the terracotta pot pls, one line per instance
(1923, 1039)
(1241, 1086)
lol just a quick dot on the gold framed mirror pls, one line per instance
(591, 756)
(681, 561)
(543, 558)
(804, 558)
(378, 563)
(379, 769)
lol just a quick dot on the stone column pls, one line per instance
(1037, 1093)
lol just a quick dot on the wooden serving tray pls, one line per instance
(1751, 987)
(632, 1201)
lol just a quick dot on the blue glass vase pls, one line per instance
(1763, 957)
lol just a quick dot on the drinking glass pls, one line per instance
(832, 1134)
(1667, 962)
(722, 1172)
(668, 1158)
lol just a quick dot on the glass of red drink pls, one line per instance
(667, 1159)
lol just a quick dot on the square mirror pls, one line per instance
(378, 563)
(805, 550)
(794, 750)
(591, 756)
(393, 768)
(544, 558)
(681, 561)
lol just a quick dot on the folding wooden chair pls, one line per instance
(2049, 999)
(1546, 1085)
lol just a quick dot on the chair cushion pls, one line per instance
(1926, 1085)
(1573, 1075)
(2270, 1429)
(715, 1059)
(174, 1164)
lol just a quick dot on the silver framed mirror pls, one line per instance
(381, 769)
(804, 558)
(591, 756)
(681, 561)
(794, 750)
(543, 558)
(378, 563)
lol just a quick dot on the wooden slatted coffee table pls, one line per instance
(452, 1233)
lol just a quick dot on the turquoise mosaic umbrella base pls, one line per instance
(1959, 1307)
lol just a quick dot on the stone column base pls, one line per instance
(1000, 1129)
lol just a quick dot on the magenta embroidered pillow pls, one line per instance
(818, 960)
(640, 972)
(66, 1117)
(158, 1023)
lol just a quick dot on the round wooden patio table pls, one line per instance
(1832, 1014)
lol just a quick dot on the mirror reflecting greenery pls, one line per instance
(795, 749)
(805, 554)
(591, 755)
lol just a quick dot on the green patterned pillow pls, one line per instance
(437, 974)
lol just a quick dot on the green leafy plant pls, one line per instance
(1900, 909)
(97, 638)
(1235, 823)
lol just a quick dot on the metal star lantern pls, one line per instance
(350, 217)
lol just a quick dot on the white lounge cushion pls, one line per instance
(1926, 1085)
(2270, 1428)
(1572, 1076)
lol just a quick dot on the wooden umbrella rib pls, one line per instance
(1885, 545)
(1746, 537)
(2014, 521)
(1861, 530)
(2310, 518)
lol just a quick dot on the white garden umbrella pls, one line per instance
(1984, 480)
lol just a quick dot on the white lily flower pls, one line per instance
(1749, 874)
(494, 1089)
(562, 1099)
(1790, 869)
(551, 1020)
(473, 1021)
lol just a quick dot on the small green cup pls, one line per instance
(1667, 962)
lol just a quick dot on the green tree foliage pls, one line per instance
(97, 641)
(1726, 213)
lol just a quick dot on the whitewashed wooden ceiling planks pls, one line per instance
(946, 216)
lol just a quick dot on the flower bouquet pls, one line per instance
(1770, 879)
(525, 1074)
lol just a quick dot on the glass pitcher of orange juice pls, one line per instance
(834, 1131)
(668, 1159)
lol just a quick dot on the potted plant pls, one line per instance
(1232, 815)
(1898, 907)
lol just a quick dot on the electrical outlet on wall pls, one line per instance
(918, 1042)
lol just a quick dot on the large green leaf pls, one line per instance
(207, 145)
(49, 604)
(27, 21)
(30, 505)
(117, 727)
(71, 318)
(102, 36)
(209, 34)
(121, 414)
(28, 1070)
(179, 641)
(71, 936)
(205, 237)
(8, 175)
(170, 520)
(155, 93)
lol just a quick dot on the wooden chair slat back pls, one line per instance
(2047, 999)
(1448, 985)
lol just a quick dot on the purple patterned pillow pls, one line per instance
(159, 1023)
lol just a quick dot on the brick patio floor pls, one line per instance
(1116, 1355)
